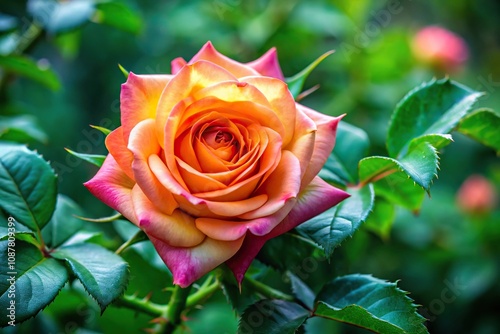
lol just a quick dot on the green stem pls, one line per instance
(173, 313)
(205, 291)
(267, 291)
(143, 305)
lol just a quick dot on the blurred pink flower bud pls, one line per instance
(440, 48)
(476, 195)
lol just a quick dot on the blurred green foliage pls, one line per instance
(449, 259)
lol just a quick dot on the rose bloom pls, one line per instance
(440, 48)
(477, 195)
(215, 159)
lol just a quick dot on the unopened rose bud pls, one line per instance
(440, 48)
(476, 195)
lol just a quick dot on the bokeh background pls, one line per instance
(447, 256)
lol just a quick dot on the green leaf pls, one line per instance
(28, 187)
(370, 303)
(272, 316)
(94, 159)
(435, 107)
(272, 252)
(21, 129)
(330, 228)
(118, 15)
(63, 225)
(420, 164)
(351, 146)
(301, 291)
(69, 15)
(100, 128)
(482, 125)
(38, 280)
(103, 273)
(296, 82)
(381, 219)
(26, 67)
(239, 298)
(123, 70)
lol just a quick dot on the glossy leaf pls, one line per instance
(420, 164)
(28, 187)
(330, 228)
(63, 224)
(118, 15)
(26, 67)
(103, 273)
(296, 83)
(37, 281)
(435, 107)
(483, 125)
(94, 159)
(21, 129)
(272, 316)
(351, 146)
(301, 291)
(370, 303)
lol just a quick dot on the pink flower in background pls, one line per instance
(477, 195)
(441, 48)
(215, 159)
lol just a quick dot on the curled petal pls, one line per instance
(177, 229)
(317, 197)
(323, 144)
(143, 143)
(268, 65)
(118, 149)
(112, 186)
(209, 53)
(139, 98)
(177, 64)
(189, 264)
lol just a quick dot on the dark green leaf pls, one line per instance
(94, 159)
(239, 299)
(69, 15)
(21, 129)
(118, 15)
(483, 125)
(351, 146)
(272, 316)
(420, 164)
(26, 67)
(296, 82)
(63, 224)
(103, 273)
(38, 280)
(333, 226)
(28, 187)
(371, 303)
(435, 107)
(272, 252)
(381, 219)
(301, 291)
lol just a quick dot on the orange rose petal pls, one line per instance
(185, 151)
(177, 229)
(232, 91)
(139, 98)
(143, 143)
(302, 144)
(323, 144)
(190, 79)
(118, 149)
(281, 100)
(189, 264)
(282, 184)
(196, 181)
(112, 186)
(208, 52)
